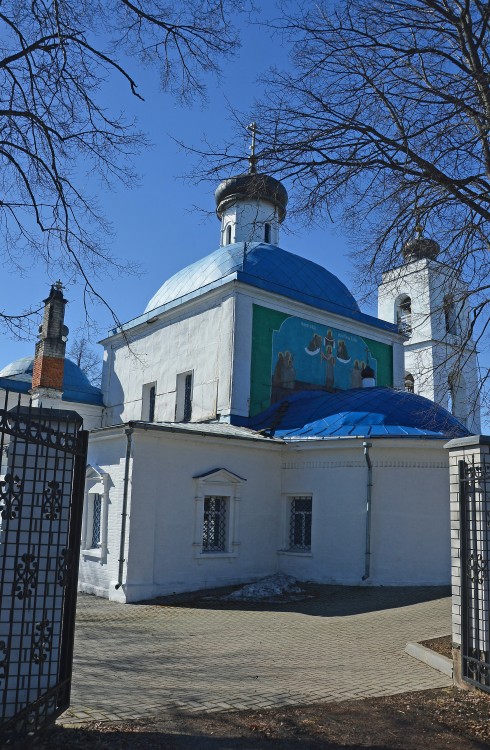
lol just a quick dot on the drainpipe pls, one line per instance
(124, 512)
(369, 489)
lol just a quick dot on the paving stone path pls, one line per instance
(135, 660)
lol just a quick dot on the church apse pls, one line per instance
(291, 354)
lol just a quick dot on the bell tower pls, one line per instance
(428, 301)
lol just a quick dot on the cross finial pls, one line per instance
(58, 286)
(252, 159)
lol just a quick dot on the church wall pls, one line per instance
(98, 573)
(196, 339)
(410, 512)
(171, 474)
(166, 517)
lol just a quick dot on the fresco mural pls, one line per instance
(292, 354)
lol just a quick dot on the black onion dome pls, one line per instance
(249, 187)
(420, 247)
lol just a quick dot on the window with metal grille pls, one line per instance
(214, 526)
(96, 516)
(300, 524)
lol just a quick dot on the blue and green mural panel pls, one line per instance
(293, 354)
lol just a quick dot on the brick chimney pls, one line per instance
(49, 359)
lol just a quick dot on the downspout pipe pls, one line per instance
(369, 492)
(124, 511)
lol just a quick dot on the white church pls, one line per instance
(253, 420)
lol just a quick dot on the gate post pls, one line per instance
(469, 467)
(43, 457)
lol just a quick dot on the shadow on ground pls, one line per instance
(320, 601)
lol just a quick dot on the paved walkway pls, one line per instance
(134, 660)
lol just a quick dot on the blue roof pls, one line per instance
(359, 412)
(17, 377)
(265, 267)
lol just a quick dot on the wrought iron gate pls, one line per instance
(474, 505)
(43, 458)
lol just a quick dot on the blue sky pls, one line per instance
(167, 222)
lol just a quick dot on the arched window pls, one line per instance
(451, 315)
(267, 233)
(228, 235)
(404, 314)
(409, 382)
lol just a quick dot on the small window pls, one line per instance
(183, 401)
(409, 382)
(300, 524)
(228, 235)
(148, 402)
(267, 233)
(451, 316)
(404, 315)
(96, 502)
(214, 526)
(95, 513)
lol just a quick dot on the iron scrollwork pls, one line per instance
(26, 572)
(3, 661)
(52, 503)
(477, 570)
(42, 641)
(64, 567)
(10, 497)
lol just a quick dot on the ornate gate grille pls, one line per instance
(43, 458)
(474, 499)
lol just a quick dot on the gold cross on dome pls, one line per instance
(252, 159)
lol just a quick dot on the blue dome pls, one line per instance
(17, 377)
(265, 267)
(360, 412)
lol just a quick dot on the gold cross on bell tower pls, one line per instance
(252, 159)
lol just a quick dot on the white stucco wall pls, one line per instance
(410, 512)
(98, 573)
(196, 338)
(247, 220)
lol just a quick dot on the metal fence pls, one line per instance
(474, 499)
(43, 458)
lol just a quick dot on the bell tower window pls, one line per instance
(404, 315)
(228, 235)
(451, 316)
(267, 232)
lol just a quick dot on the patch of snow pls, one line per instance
(279, 587)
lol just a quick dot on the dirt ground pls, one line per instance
(446, 719)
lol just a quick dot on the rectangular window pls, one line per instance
(300, 524)
(183, 399)
(214, 526)
(96, 520)
(188, 398)
(148, 400)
